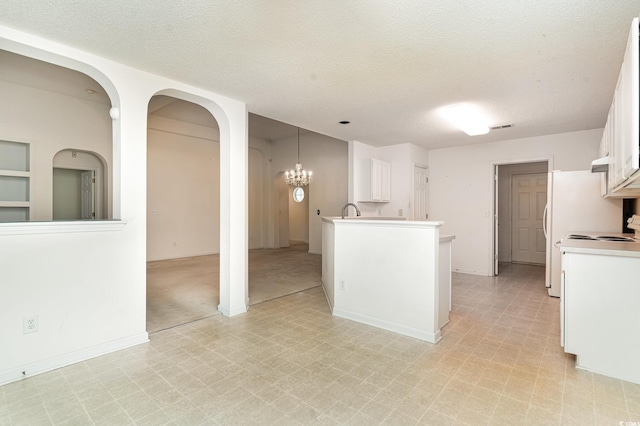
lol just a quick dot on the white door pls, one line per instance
(420, 193)
(87, 199)
(529, 197)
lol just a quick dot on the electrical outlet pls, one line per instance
(30, 324)
(343, 287)
(400, 212)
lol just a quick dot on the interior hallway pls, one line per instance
(188, 289)
(289, 361)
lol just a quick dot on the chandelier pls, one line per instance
(298, 177)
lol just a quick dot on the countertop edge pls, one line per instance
(373, 222)
(603, 248)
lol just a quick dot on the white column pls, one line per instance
(234, 294)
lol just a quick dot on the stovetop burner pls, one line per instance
(613, 238)
(621, 239)
(580, 237)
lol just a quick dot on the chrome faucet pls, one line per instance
(344, 209)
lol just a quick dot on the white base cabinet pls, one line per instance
(390, 274)
(600, 318)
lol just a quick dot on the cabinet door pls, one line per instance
(386, 182)
(376, 180)
(625, 112)
(630, 75)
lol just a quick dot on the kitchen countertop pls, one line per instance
(395, 221)
(608, 248)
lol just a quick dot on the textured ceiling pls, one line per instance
(547, 66)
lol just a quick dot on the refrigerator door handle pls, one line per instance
(544, 220)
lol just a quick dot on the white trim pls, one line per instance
(390, 326)
(326, 296)
(492, 226)
(14, 204)
(230, 312)
(470, 272)
(383, 222)
(15, 173)
(54, 363)
(32, 228)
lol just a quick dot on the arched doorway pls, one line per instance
(79, 186)
(183, 213)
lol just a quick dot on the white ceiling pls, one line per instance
(547, 66)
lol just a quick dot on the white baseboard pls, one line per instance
(471, 272)
(39, 367)
(229, 312)
(391, 326)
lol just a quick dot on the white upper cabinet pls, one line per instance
(621, 137)
(375, 181)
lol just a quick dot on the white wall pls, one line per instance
(261, 228)
(87, 280)
(402, 158)
(183, 198)
(461, 186)
(326, 157)
(299, 217)
(183, 192)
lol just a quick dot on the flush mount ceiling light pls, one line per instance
(467, 118)
(298, 177)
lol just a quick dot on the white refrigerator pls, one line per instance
(574, 205)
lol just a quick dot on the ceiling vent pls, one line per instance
(506, 126)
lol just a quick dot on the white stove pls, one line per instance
(599, 316)
(632, 223)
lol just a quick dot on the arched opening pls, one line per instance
(183, 213)
(79, 186)
(46, 109)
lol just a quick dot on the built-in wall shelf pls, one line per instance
(15, 181)
(15, 204)
(15, 173)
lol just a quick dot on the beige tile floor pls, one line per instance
(288, 362)
(187, 289)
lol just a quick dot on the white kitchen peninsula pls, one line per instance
(391, 274)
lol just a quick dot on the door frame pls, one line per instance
(493, 181)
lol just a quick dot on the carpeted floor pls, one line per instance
(183, 290)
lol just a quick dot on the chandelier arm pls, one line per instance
(298, 144)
